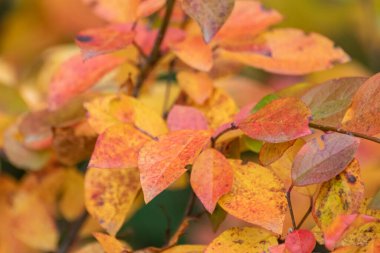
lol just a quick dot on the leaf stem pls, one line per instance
(288, 198)
(306, 214)
(213, 139)
(73, 233)
(155, 54)
(342, 131)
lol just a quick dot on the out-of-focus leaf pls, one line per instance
(253, 145)
(375, 203)
(278, 249)
(210, 14)
(186, 249)
(186, 117)
(97, 41)
(198, 86)
(271, 152)
(330, 100)
(115, 11)
(111, 245)
(340, 195)
(245, 239)
(162, 162)
(300, 241)
(93, 247)
(109, 195)
(252, 187)
(148, 7)
(362, 116)
(195, 53)
(316, 163)
(75, 76)
(280, 121)
(211, 177)
(217, 217)
(11, 101)
(118, 147)
(264, 102)
(288, 51)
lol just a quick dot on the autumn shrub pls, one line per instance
(138, 111)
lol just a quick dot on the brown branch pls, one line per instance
(342, 131)
(155, 54)
(288, 198)
(73, 233)
(213, 139)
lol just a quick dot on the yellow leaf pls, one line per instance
(257, 196)
(186, 249)
(111, 245)
(109, 195)
(93, 247)
(246, 239)
(198, 86)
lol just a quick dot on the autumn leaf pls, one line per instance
(340, 195)
(253, 185)
(210, 14)
(300, 241)
(245, 239)
(198, 86)
(186, 249)
(362, 115)
(281, 120)
(287, 51)
(195, 53)
(329, 101)
(97, 41)
(271, 152)
(107, 111)
(278, 249)
(375, 202)
(93, 247)
(247, 19)
(185, 117)
(118, 147)
(316, 163)
(115, 11)
(75, 76)
(109, 195)
(110, 244)
(162, 162)
(211, 177)
(148, 7)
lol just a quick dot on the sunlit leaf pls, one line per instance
(118, 147)
(245, 239)
(162, 162)
(211, 177)
(253, 186)
(198, 86)
(282, 120)
(288, 51)
(210, 14)
(300, 241)
(186, 117)
(97, 41)
(109, 195)
(317, 163)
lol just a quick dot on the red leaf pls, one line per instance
(75, 76)
(280, 121)
(300, 241)
(211, 177)
(162, 162)
(186, 117)
(104, 40)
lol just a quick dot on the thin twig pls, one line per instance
(213, 139)
(73, 233)
(306, 214)
(288, 198)
(342, 131)
(155, 54)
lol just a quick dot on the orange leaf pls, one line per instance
(341, 195)
(282, 120)
(148, 7)
(210, 14)
(253, 186)
(241, 25)
(316, 163)
(97, 41)
(195, 53)
(115, 11)
(164, 161)
(186, 117)
(245, 239)
(362, 116)
(300, 241)
(288, 51)
(198, 86)
(110, 244)
(109, 195)
(76, 76)
(211, 177)
(278, 249)
(118, 147)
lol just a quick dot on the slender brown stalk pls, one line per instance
(155, 54)
(288, 198)
(342, 131)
